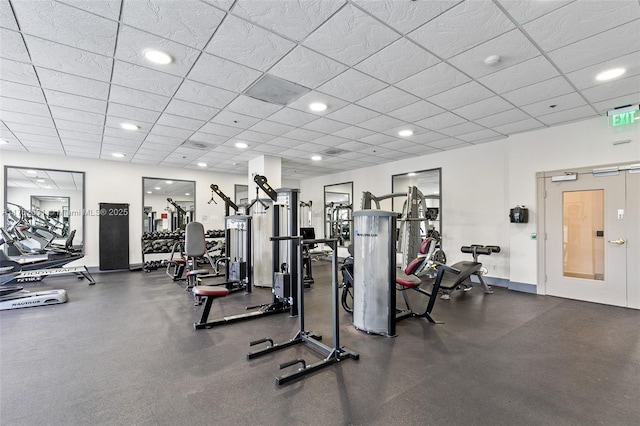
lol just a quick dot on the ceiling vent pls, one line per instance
(196, 145)
(334, 151)
(276, 90)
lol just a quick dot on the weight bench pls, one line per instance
(207, 292)
(447, 278)
(475, 250)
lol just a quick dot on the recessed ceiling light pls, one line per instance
(202, 164)
(158, 57)
(129, 126)
(316, 158)
(149, 192)
(610, 74)
(405, 133)
(118, 155)
(186, 193)
(32, 172)
(317, 106)
(48, 186)
(241, 145)
(169, 182)
(3, 142)
(157, 188)
(40, 180)
(411, 174)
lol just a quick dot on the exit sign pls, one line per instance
(623, 116)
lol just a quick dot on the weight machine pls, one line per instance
(182, 215)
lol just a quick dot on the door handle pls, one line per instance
(619, 241)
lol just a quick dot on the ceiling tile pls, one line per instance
(351, 86)
(119, 134)
(80, 136)
(58, 112)
(251, 136)
(247, 44)
(163, 141)
(26, 107)
(606, 105)
(173, 132)
(568, 115)
(433, 80)
(21, 91)
(440, 121)
(219, 129)
(222, 73)
(293, 19)
(16, 117)
(271, 128)
(73, 84)
(215, 97)
(578, 20)
(428, 137)
(398, 145)
(30, 129)
(137, 98)
(421, 150)
(512, 47)
(464, 94)
(12, 46)
(599, 48)
(483, 135)
(388, 99)
(133, 114)
(416, 111)
(353, 114)
(524, 11)
(253, 107)
(292, 117)
(307, 68)
(568, 101)
(502, 118)
(405, 16)
(377, 139)
(449, 143)
(483, 108)
(384, 64)
(68, 100)
(7, 20)
(462, 27)
(332, 103)
(190, 110)
(302, 135)
(146, 79)
(330, 140)
(234, 119)
(520, 75)
(179, 122)
(382, 123)
(68, 59)
(67, 25)
(353, 132)
(612, 89)
(461, 129)
(18, 72)
(350, 36)
(586, 77)
(76, 126)
(187, 22)
(539, 91)
(106, 8)
(132, 44)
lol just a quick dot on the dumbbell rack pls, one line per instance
(153, 243)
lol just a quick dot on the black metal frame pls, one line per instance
(333, 354)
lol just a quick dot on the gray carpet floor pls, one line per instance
(124, 352)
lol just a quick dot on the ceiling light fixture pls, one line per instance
(186, 193)
(316, 158)
(241, 145)
(40, 180)
(129, 126)
(149, 192)
(3, 142)
(405, 133)
(158, 57)
(411, 174)
(168, 182)
(317, 106)
(492, 60)
(202, 164)
(32, 172)
(118, 155)
(157, 188)
(610, 74)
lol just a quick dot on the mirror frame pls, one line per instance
(325, 220)
(81, 213)
(144, 194)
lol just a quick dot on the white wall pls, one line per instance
(120, 182)
(481, 183)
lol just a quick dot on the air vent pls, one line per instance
(334, 151)
(196, 145)
(276, 90)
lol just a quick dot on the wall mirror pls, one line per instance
(338, 212)
(47, 204)
(169, 204)
(429, 186)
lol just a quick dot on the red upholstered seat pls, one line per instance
(210, 290)
(405, 280)
(197, 272)
(181, 261)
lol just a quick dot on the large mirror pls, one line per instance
(338, 212)
(43, 208)
(169, 204)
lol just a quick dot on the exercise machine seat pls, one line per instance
(417, 264)
(457, 273)
(210, 291)
(408, 281)
(195, 244)
(197, 272)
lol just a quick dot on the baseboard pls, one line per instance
(511, 285)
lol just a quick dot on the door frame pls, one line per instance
(541, 226)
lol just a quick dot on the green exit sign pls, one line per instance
(623, 116)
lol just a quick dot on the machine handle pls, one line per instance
(619, 241)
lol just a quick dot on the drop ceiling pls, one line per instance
(72, 71)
